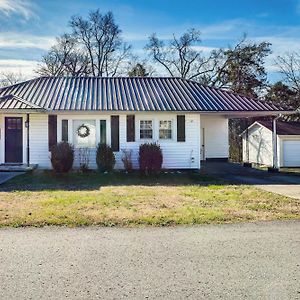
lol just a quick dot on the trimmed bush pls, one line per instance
(62, 157)
(150, 158)
(105, 158)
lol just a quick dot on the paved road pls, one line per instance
(246, 261)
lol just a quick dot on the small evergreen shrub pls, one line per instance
(105, 158)
(62, 157)
(150, 158)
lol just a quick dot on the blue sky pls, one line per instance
(29, 27)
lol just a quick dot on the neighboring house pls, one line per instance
(188, 120)
(258, 148)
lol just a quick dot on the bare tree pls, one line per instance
(10, 78)
(181, 57)
(239, 68)
(100, 36)
(64, 58)
(94, 47)
(289, 66)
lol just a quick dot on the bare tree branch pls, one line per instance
(289, 66)
(95, 47)
(10, 78)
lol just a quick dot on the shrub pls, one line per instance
(84, 159)
(126, 159)
(62, 157)
(150, 158)
(105, 158)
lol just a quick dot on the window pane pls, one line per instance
(165, 129)
(146, 129)
(64, 133)
(103, 131)
(84, 133)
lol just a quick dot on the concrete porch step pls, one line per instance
(9, 167)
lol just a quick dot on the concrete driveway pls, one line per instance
(286, 185)
(245, 261)
(5, 176)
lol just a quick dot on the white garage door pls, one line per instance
(291, 153)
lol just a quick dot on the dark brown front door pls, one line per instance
(13, 140)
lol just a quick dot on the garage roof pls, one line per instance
(283, 128)
(128, 94)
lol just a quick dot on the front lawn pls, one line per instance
(128, 200)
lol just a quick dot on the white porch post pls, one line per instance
(28, 146)
(247, 142)
(275, 155)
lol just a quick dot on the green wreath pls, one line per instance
(83, 131)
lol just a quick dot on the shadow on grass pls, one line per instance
(47, 180)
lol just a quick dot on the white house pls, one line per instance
(188, 120)
(258, 143)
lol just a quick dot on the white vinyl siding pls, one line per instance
(38, 139)
(176, 155)
(260, 140)
(260, 146)
(183, 155)
(38, 136)
(215, 129)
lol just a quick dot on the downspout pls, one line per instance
(28, 147)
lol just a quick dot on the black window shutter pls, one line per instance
(115, 143)
(52, 131)
(64, 131)
(130, 128)
(181, 128)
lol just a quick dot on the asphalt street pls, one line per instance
(242, 261)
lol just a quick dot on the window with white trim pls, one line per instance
(165, 129)
(146, 129)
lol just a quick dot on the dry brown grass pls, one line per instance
(139, 203)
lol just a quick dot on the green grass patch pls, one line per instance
(120, 199)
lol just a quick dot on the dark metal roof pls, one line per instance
(283, 128)
(15, 102)
(129, 94)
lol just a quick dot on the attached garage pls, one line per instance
(258, 143)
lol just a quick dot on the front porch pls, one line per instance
(9, 167)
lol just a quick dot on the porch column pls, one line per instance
(28, 146)
(275, 155)
(247, 142)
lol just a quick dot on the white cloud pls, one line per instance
(24, 67)
(204, 49)
(280, 46)
(21, 40)
(21, 7)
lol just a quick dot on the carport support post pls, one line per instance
(247, 141)
(28, 148)
(275, 165)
